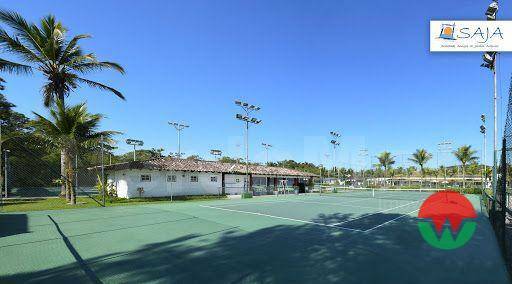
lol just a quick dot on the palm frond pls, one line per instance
(16, 46)
(13, 67)
(71, 50)
(27, 32)
(97, 65)
(100, 86)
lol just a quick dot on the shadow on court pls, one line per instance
(13, 224)
(394, 253)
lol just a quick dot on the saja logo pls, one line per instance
(447, 220)
(479, 34)
(455, 36)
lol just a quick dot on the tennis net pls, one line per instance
(394, 194)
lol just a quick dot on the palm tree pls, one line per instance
(465, 155)
(70, 128)
(45, 49)
(386, 161)
(421, 157)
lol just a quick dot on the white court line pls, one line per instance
(300, 201)
(350, 199)
(282, 218)
(394, 219)
(333, 204)
(249, 203)
(364, 216)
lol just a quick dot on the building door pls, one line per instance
(170, 181)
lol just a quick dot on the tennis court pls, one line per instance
(349, 237)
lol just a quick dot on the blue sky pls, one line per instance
(361, 68)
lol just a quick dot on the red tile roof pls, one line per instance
(175, 164)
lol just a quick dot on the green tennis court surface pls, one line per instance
(299, 238)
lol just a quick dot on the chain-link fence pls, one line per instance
(498, 202)
(31, 171)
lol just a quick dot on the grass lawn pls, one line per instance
(15, 205)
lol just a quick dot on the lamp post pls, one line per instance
(321, 166)
(216, 153)
(363, 153)
(134, 143)
(483, 130)
(444, 147)
(490, 59)
(266, 146)
(179, 127)
(326, 159)
(334, 141)
(248, 109)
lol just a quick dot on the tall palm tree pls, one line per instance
(465, 155)
(386, 161)
(421, 157)
(46, 49)
(70, 128)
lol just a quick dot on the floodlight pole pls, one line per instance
(247, 109)
(485, 158)
(134, 143)
(490, 62)
(179, 127)
(495, 146)
(103, 181)
(335, 143)
(247, 182)
(483, 130)
(267, 147)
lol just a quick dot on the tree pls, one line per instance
(386, 161)
(69, 128)
(421, 157)
(410, 171)
(44, 48)
(227, 159)
(465, 155)
(194, 157)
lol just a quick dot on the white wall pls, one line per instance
(127, 182)
(234, 183)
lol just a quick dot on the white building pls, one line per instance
(173, 177)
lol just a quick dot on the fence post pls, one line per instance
(5, 171)
(503, 192)
(76, 172)
(103, 182)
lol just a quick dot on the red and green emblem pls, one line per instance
(443, 207)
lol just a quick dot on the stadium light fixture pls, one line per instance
(179, 127)
(134, 143)
(216, 153)
(267, 147)
(491, 11)
(248, 109)
(335, 136)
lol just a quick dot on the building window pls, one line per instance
(213, 179)
(193, 178)
(145, 178)
(171, 178)
(237, 180)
